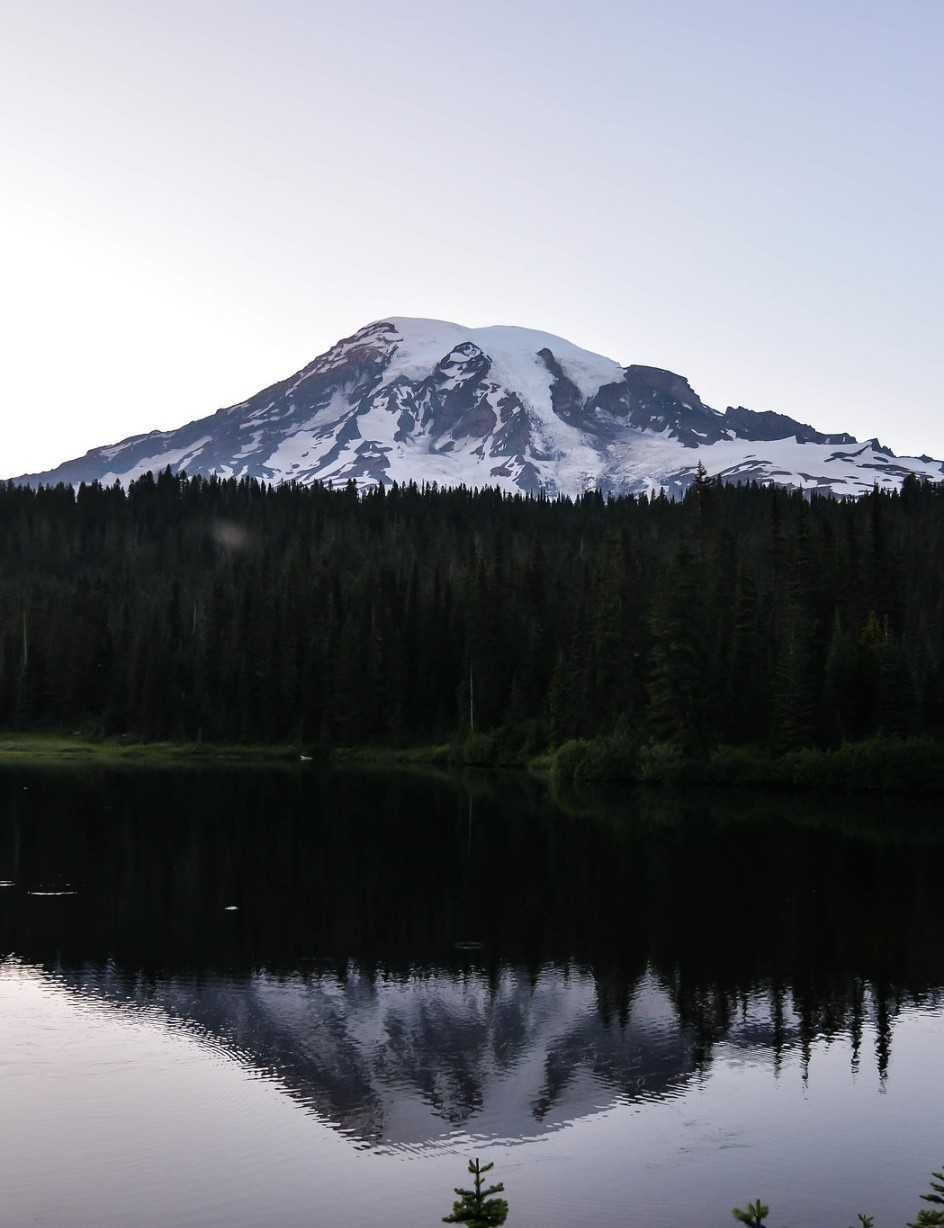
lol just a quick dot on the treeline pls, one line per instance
(225, 610)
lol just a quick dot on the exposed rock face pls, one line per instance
(423, 400)
(765, 425)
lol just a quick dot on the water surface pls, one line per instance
(277, 997)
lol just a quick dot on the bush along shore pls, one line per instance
(874, 765)
(880, 765)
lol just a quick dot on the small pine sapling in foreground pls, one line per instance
(754, 1215)
(477, 1207)
(866, 1221)
(932, 1219)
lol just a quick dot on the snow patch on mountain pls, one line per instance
(181, 457)
(513, 352)
(406, 399)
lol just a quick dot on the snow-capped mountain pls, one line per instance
(427, 401)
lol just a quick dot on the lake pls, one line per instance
(246, 997)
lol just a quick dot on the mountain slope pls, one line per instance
(428, 401)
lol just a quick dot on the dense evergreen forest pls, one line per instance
(213, 609)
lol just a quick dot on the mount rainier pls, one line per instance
(427, 401)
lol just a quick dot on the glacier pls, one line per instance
(427, 401)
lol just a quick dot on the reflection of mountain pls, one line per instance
(405, 1060)
(615, 952)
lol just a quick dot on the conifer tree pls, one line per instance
(745, 677)
(478, 1207)
(837, 716)
(754, 1215)
(678, 702)
(934, 1218)
(727, 616)
(898, 705)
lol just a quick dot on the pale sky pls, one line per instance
(200, 197)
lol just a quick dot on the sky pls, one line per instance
(200, 197)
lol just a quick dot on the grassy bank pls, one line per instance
(51, 748)
(59, 748)
(877, 765)
(437, 756)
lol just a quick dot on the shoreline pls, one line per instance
(876, 767)
(62, 749)
(57, 749)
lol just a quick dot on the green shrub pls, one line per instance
(662, 763)
(880, 765)
(612, 758)
(479, 749)
(508, 746)
(744, 765)
(566, 761)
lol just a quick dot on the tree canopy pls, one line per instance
(227, 610)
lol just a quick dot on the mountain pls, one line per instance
(427, 401)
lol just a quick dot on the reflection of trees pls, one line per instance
(404, 1058)
(798, 1017)
(766, 922)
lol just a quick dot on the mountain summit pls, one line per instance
(427, 401)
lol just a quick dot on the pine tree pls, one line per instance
(357, 617)
(477, 1207)
(839, 676)
(754, 1215)
(795, 682)
(898, 704)
(744, 681)
(678, 700)
(935, 1218)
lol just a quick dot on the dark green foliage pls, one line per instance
(580, 761)
(678, 710)
(566, 761)
(933, 1218)
(479, 1207)
(654, 631)
(754, 1215)
(874, 765)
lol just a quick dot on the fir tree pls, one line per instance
(837, 716)
(731, 615)
(478, 1207)
(677, 684)
(754, 1215)
(743, 680)
(934, 1218)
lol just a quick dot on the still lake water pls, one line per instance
(248, 998)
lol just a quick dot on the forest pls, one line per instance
(197, 609)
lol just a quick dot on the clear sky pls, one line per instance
(200, 197)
